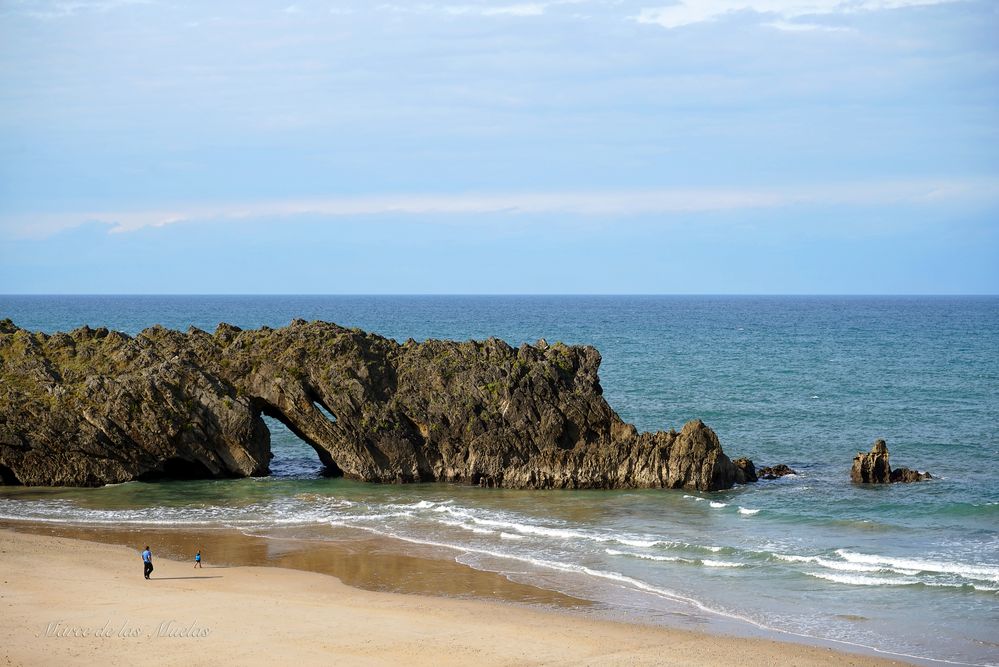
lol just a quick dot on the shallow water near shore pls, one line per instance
(807, 381)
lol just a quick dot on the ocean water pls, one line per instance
(910, 570)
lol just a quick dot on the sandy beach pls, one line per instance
(73, 601)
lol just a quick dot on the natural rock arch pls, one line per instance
(97, 406)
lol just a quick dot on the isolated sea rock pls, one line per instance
(95, 406)
(775, 472)
(874, 468)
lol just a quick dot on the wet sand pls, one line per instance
(374, 564)
(65, 600)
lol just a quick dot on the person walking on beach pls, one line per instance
(147, 562)
(197, 559)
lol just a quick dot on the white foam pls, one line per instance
(511, 536)
(830, 564)
(747, 511)
(381, 515)
(529, 529)
(465, 526)
(860, 579)
(665, 559)
(970, 571)
(524, 528)
(718, 505)
(644, 544)
(421, 505)
(720, 563)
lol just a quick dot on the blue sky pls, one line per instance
(557, 146)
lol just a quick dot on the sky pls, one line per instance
(456, 146)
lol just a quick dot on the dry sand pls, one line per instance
(66, 601)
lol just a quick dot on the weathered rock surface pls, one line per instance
(906, 475)
(775, 472)
(95, 406)
(745, 471)
(874, 468)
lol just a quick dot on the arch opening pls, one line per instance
(7, 477)
(289, 458)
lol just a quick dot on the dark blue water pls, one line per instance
(806, 381)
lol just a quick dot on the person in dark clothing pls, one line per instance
(147, 562)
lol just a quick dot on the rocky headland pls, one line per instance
(94, 406)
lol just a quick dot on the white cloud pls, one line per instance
(454, 207)
(689, 12)
(530, 9)
(522, 9)
(787, 26)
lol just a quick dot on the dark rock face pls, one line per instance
(906, 475)
(745, 471)
(95, 406)
(774, 472)
(874, 468)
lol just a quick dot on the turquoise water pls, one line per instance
(806, 381)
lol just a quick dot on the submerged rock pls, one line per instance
(95, 406)
(874, 468)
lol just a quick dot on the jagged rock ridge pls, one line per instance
(96, 406)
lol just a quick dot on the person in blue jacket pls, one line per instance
(197, 559)
(147, 562)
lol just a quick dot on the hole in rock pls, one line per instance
(293, 455)
(319, 405)
(177, 468)
(324, 410)
(7, 477)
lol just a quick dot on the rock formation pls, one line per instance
(906, 475)
(96, 406)
(774, 472)
(745, 471)
(874, 468)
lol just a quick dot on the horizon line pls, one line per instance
(499, 294)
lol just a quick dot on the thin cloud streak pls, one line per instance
(590, 204)
(690, 12)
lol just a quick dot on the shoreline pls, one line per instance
(249, 612)
(368, 563)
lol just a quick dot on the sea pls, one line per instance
(903, 570)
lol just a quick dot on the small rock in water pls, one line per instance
(906, 475)
(773, 472)
(874, 468)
